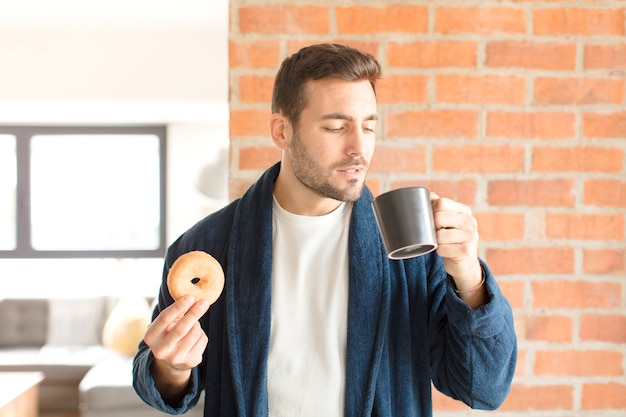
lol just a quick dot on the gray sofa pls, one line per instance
(63, 339)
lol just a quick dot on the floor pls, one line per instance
(68, 413)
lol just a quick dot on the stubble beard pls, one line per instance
(312, 175)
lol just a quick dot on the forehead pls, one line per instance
(334, 95)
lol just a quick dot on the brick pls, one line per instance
(374, 185)
(500, 226)
(605, 193)
(605, 56)
(253, 54)
(256, 88)
(577, 159)
(514, 291)
(531, 260)
(478, 158)
(398, 159)
(387, 19)
(248, 123)
(576, 91)
(539, 397)
(520, 368)
(539, 193)
(432, 54)
(284, 19)
(432, 123)
(603, 328)
(576, 294)
(479, 20)
(258, 157)
(442, 402)
(604, 261)
(605, 227)
(531, 125)
(402, 89)
(480, 89)
(585, 22)
(555, 329)
(604, 125)
(599, 396)
(532, 55)
(463, 191)
(578, 363)
(519, 323)
(236, 187)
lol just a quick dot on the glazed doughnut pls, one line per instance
(196, 273)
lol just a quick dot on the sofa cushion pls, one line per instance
(107, 390)
(57, 363)
(109, 385)
(77, 322)
(23, 323)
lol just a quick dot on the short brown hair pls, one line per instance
(316, 62)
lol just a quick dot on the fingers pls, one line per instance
(186, 352)
(171, 314)
(449, 214)
(442, 204)
(176, 337)
(456, 228)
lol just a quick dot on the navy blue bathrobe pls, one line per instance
(406, 326)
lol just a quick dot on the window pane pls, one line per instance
(95, 192)
(8, 186)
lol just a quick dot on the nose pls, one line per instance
(357, 143)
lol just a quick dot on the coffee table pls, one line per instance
(19, 394)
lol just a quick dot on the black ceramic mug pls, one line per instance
(405, 220)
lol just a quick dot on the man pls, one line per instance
(314, 319)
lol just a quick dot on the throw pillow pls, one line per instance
(126, 325)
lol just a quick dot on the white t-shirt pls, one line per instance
(307, 353)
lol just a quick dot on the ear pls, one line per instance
(280, 130)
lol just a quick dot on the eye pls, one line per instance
(369, 128)
(333, 129)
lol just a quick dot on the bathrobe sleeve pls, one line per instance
(147, 391)
(143, 383)
(473, 352)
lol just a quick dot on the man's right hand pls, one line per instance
(177, 342)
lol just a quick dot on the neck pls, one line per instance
(298, 199)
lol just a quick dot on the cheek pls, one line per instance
(370, 147)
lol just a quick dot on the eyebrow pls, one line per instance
(341, 116)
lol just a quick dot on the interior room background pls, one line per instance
(110, 63)
(515, 108)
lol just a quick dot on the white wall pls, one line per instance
(111, 65)
(82, 75)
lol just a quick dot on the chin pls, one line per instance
(349, 192)
(352, 193)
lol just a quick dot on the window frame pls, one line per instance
(23, 136)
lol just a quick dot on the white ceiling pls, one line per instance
(114, 14)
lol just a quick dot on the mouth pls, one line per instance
(351, 171)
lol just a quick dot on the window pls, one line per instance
(71, 192)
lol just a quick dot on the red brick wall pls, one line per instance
(516, 108)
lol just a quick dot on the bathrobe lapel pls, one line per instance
(248, 296)
(248, 301)
(368, 308)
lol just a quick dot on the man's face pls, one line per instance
(334, 142)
